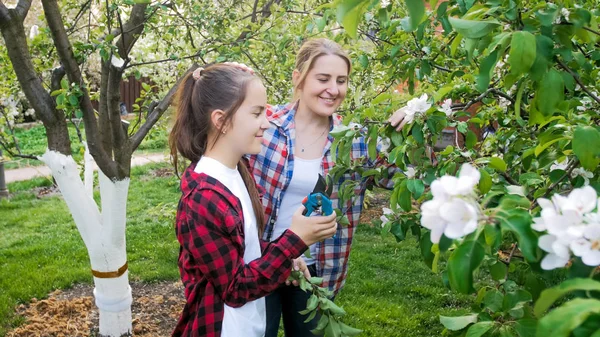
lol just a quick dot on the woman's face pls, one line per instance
(325, 85)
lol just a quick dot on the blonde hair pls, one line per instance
(308, 54)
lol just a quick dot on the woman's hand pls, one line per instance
(398, 119)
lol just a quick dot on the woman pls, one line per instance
(296, 149)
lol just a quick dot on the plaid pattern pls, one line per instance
(273, 168)
(209, 228)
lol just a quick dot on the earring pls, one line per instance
(223, 132)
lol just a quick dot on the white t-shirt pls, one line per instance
(304, 179)
(251, 318)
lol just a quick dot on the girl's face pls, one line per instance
(249, 122)
(325, 85)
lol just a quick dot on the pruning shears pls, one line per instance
(319, 198)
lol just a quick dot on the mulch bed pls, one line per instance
(72, 312)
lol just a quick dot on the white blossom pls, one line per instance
(385, 3)
(410, 172)
(384, 219)
(559, 165)
(572, 224)
(580, 171)
(453, 210)
(419, 104)
(384, 143)
(447, 107)
(565, 13)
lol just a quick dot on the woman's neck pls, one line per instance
(305, 119)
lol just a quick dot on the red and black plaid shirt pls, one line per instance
(210, 230)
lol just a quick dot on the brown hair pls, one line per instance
(219, 86)
(310, 51)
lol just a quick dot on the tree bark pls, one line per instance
(44, 105)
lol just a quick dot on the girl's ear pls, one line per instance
(217, 117)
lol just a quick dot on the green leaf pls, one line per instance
(522, 52)
(425, 244)
(348, 330)
(349, 14)
(498, 164)
(561, 321)
(416, 10)
(461, 264)
(515, 299)
(485, 182)
(417, 133)
(416, 187)
(586, 146)
(457, 323)
(478, 329)
(526, 327)
(473, 29)
(73, 100)
(498, 271)
(485, 71)
(493, 300)
(551, 295)
(550, 92)
(518, 221)
(404, 199)
(471, 139)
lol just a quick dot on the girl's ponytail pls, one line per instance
(254, 196)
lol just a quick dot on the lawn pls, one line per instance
(33, 141)
(389, 291)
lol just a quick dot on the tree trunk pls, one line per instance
(103, 235)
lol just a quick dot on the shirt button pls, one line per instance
(272, 221)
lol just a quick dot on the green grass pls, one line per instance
(41, 250)
(33, 141)
(389, 290)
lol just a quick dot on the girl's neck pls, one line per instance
(222, 153)
(305, 119)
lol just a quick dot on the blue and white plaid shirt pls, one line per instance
(273, 168)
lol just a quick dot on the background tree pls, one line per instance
(531, 68)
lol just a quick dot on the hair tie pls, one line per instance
(197, 73)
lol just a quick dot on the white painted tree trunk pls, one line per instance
(103, 235)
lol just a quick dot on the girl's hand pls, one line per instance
(299, 265)
(313, 229)
(398, 119)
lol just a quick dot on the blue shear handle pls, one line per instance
(316, 200)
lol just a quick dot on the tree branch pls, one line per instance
(157, 112)
(4, 14)
(256, 66)
(578, 80)
(23, 8)
(71, 67)
(20, 155)
(15, 40)
(131, 30)
(57, 75)
(591, 30)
